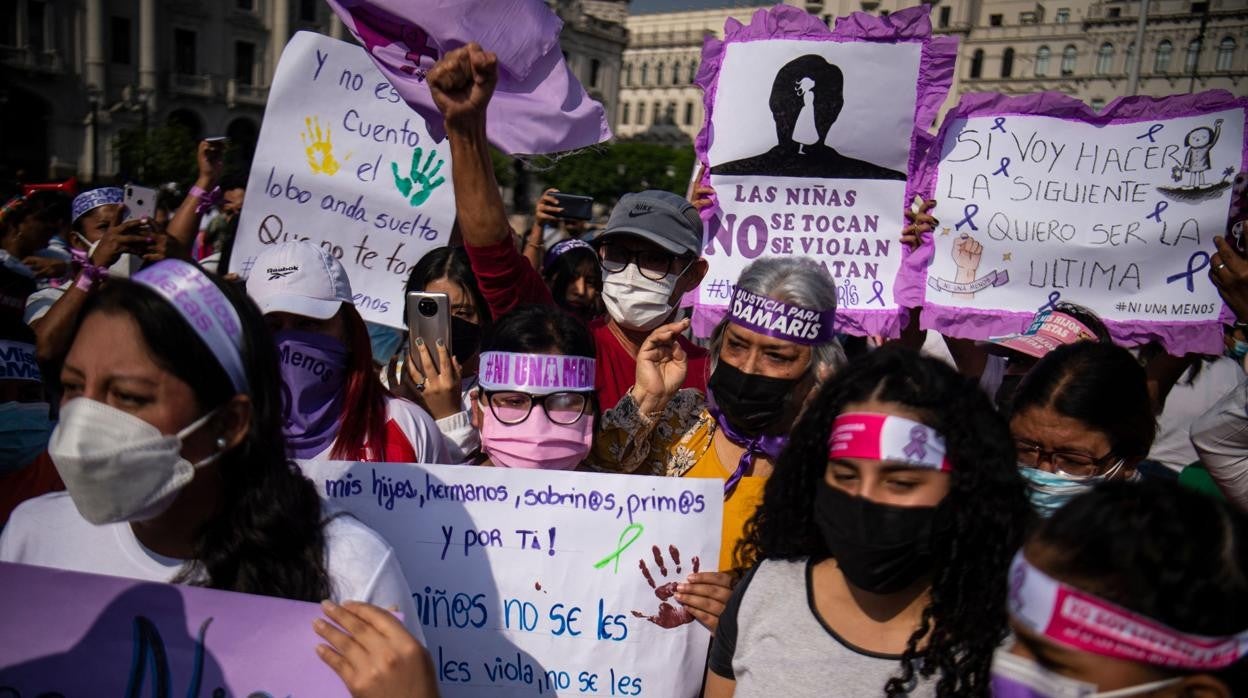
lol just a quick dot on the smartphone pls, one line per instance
(218, 139)
(140, 202)
(429, 318)
(575, 207)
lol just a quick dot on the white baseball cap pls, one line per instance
(299, 278)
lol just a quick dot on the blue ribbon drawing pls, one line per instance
(1156, 214)
(878, 287)
(1005, 162)
(1191, 270)
(1151, 131)
(998, 124)
(917, 448)
(968, 217)
(1054, 297)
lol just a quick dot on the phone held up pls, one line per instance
(575, 207)
(140, 202)
(429, 318)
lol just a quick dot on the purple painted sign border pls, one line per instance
(936, 68)
(1178, 338)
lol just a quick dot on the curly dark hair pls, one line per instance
(1167, 553)
(268, 537)
(983, 518)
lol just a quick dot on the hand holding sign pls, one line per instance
(462, 84)
(375, 656)
(1229, 272)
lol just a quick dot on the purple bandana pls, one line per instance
(313, 368)
(775, 318)
(564, 246)
(768, 445)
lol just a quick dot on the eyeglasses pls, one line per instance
(1072, 463)
(652, 263)
(511, 407)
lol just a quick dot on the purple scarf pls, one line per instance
(768, 445)
(313, 367)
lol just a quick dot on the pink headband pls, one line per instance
(781, 320)
(536, 374)
(889, 438)
(205, 308)
(1076, 619)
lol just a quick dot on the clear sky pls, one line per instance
(642, 7)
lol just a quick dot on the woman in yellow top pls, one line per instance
(768, 354)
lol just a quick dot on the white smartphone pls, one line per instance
(140, 202)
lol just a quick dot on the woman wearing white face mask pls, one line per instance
(1081, 416)
(1135, 589)
(170, 445)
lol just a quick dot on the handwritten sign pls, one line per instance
(808, 141)
(1043, 199)
(74, 634)
(344, 163)
(533, 582)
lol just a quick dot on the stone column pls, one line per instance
(95, 43)
(147, 50)
(279, 34)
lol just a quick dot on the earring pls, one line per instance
(221, 443)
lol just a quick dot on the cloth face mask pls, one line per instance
(313, 368)
(537, 442)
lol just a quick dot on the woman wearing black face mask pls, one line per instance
(771, 350)
(884, 540)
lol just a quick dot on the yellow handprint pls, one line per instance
(319, 148)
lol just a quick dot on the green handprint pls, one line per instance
(420, 182)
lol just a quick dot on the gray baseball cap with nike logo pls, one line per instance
(664, 218)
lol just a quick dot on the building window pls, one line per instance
(945, 12)
(645, 76)
(244, 62)
(245, 5)
(693, 72)
(977, 63)
(1113, 12)
(1226, 54)
(624, 109)
(595, 66)
(1200, 8)
(184, 62)
(1161, 62)
(36, 26)
(1042, 61)
(656, 114)
(8, 24)
(628, 75)
(641, 113)
(669, 114)
(1193, 57)
(1105, 59)
(119, 36)
(307, 10)
(1007, 63)
(1098, 103)
(688, 113)
(659, 71)
(995, 20)
(1063, 15)
(1070, 55)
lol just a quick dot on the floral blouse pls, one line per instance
(667, 444)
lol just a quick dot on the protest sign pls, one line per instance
(74, 634)
(810, 134)
(343, 163)
(538, 106)
(537, 582)
(1042, 199)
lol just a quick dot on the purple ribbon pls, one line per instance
(83, 260)
(768, 445)
(917, 448)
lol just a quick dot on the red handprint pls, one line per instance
(669, 616)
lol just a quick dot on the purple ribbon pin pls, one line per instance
(917, 448)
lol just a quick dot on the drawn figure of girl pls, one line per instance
(805, 132)
(1200, 142)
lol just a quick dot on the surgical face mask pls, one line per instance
(116, 466)
(635, 302)
(1018, 677)
(24, 432)
(1238, 350)
(1051, 491)
(536, 442)
(384, 340)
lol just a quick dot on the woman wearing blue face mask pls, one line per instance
(1081, 416)
(1135, 589)
(25, 422)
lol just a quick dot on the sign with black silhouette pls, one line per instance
(541, 582)
(74, 634)
(1042, 198)
(343, 162)
(809, 137)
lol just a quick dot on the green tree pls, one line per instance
(162, 154)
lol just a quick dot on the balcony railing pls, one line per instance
(192, 85)
(668, 39)
(25, 58)
(237, 93)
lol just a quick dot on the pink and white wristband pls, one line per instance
(889, 438)
(1084, 622)
(536, 374)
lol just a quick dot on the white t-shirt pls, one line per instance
(48, 531)
(417, 427)
(1184, 405)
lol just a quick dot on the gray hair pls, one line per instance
(796, 280)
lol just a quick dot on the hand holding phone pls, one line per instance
(140, 202)
(575, 207)
(429, 319)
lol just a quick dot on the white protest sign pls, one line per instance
(1117, 215)
(344, 163)
(535, 582)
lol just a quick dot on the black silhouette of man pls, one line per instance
(792, 158)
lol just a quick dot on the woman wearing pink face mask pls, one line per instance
(535, 406)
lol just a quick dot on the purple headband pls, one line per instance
(96, 198)
(205, 308)
(536, 374)
(563, 247)
(781, 320)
